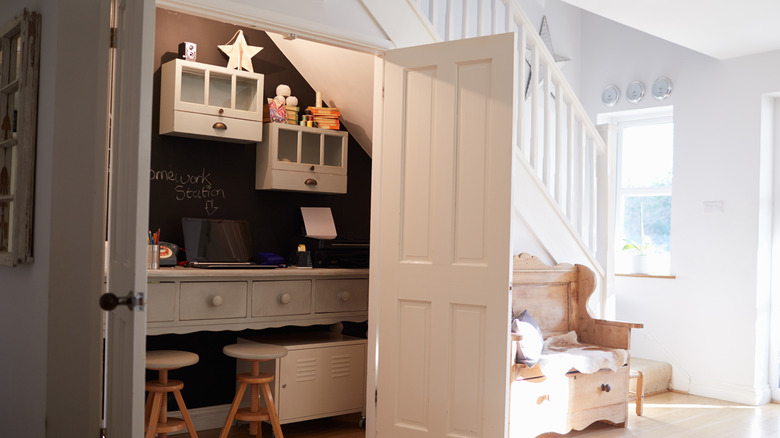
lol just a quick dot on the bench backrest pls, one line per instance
(555, 296)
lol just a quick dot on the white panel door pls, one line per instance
(444, 239)
(128, 213)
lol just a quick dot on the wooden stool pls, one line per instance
(639, 395)
(254, 353)
(156, 418)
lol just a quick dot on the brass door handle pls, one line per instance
(310, 182)
(219, 125)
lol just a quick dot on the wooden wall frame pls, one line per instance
(19, 67)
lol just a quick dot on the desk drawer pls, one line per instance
(275, 298)
(161, 302)
(340, 295)
(212, 300)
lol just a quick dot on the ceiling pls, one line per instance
(722, 29)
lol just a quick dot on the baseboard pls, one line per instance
(743, 394)
(210, 417)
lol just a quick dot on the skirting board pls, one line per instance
(747, 395)
(210, 417)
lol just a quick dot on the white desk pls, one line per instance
(186, 300)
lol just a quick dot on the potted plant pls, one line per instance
(639, 254)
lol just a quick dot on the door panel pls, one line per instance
(444, 238)
(128, 213)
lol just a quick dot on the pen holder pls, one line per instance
(153, 257)
(304, 259)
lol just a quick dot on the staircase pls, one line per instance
(559, 151)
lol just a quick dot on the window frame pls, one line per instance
(27, 27)
(621, 193)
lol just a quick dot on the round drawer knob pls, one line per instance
(285, 298)
(216, 301)
(605, 387)
(345, 296)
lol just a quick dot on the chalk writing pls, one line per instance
(190, 186)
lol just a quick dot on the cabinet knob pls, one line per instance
(219, 125)
(605, 387)
(542, 399)
(310, 182)
(216, 301)
(285, 298)
(345, 296)
(221, 110)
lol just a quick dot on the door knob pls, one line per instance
(109, 301)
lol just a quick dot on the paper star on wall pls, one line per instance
(239, 52)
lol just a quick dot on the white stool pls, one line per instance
(156, 412)
(254, 353)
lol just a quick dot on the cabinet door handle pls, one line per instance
(310, 182)
(285, 298)
(219, 125)
(216, 301)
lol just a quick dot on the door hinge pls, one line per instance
(113, 38)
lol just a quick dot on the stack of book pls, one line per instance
(327, 118)
(292, 114)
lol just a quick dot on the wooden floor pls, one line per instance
(666, 415)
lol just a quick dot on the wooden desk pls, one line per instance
(185, 300)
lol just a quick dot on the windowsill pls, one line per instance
(646, 276)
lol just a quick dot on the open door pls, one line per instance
(443, 241)
(128, 214)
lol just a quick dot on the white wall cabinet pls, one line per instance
(207, 101)
(300, 158)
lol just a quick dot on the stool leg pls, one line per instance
(269, 403)
(148, 409)
(254, 401)
(233, 410)
(640, 393)
(185, 414)
(155, 413)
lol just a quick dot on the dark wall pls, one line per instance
(222, 174)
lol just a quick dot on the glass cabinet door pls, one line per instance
(193, 86)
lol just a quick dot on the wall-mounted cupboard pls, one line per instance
(301, 158)
(212, 102)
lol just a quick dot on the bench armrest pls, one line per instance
(619, 323)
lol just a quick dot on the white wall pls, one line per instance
(49, 321)
(711, 322)
(24, 288)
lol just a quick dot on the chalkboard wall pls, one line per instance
(212, 179)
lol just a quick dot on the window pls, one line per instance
(19, 60)
(644, 195)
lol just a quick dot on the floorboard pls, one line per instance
(666, 415)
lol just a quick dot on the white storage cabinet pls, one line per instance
(206, 101)
(301, 158)
(323, 374)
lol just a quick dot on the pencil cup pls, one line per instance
(153, 256)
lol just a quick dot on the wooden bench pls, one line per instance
(556, 298)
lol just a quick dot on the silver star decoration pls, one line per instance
(239, 52)
(560, 61)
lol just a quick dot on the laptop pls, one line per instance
(218, 243)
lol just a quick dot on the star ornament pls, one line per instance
(239, 52)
